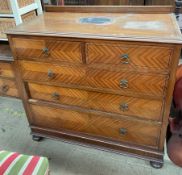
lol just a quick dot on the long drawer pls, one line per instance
(6, 70)
(141, 133)
(137, 107)
(125, 82)
(48, 49)
(8, 88)
(130, 56)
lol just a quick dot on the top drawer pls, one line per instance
(51, 50)
(132, 56)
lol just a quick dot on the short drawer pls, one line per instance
(141, 133)
(48, 49)
(137, 107)
(125, 82)
(6, 70)
(8, 88)
(131, 56)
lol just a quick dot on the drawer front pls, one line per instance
(129, 55)
(125, 82)
(151, 109)
(8, 88)
(117, 129)
(6, 70)
(51, 50)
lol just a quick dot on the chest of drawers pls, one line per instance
(108, 86)
(8, 85)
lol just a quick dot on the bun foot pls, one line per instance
(37, 138)
(156, 165)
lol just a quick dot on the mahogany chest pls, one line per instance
(101, 79)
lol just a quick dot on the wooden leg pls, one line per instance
(37, 138)
(156, 165)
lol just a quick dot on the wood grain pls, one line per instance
(123, 148)
(81, 91)
(56, 50)
(169, 96)
(111, 9)
(138, 56)
(6, 70)
(52, 118)
(161, 28)
(87, 77)
(137, 107)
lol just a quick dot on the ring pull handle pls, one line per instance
(124, 84)
(125, 58)
(45, 51)
(50, 74)
(123, 131)
(124, 107)
(5, 88)
(55, 96)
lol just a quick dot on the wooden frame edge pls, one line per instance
(169, 96)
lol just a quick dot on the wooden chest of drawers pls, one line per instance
(106, 85)
(8, 85)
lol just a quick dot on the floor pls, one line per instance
(68, 159)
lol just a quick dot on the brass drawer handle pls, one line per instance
(124, 84)
(55, 96)
(124, 107)
(125, 58)
(123, 131)
(5, 88)
(45, 51)
(50, 74)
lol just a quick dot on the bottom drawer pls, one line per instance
(8, 87)
(136, 132)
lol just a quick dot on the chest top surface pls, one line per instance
(117, 26)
